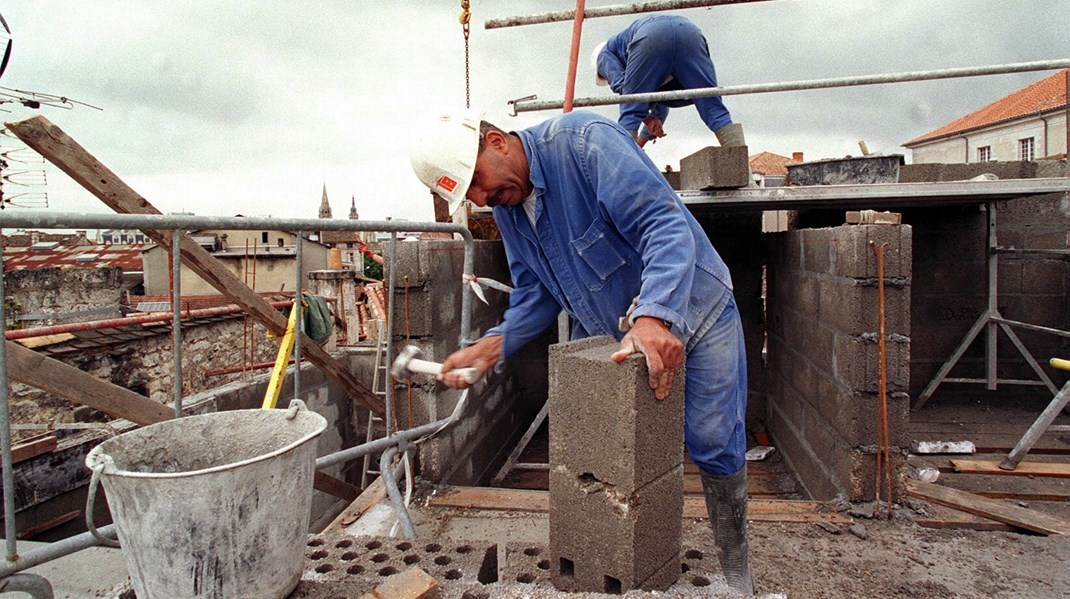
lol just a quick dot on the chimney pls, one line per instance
(797, 157)
(34, 236)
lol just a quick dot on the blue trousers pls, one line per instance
(664, 46)
(715, 395)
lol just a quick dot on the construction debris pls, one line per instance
(413, 583)
(942, 447)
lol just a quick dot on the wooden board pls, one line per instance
(1056, 470)
(947, 518)
(1009, 487)
(33, 448)
(989, 508)
(520, 500)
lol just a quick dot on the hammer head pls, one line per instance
(400, 369)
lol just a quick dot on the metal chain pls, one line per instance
(465, 18)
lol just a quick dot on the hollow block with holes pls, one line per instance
(616, 479)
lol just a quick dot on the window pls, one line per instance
(984, 153)
(1025, 149)
(264, 237)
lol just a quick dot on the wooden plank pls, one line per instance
(34, 448)
(520, 500)
(370, 497)
(61, 150)
(1009, 487)
(1056, 470)
(44, 340)
(943, 517)
(68, 382)
(989, 508)
(335, 487)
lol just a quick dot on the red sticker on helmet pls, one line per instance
(446, 183)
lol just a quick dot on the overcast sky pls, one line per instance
(251, 107)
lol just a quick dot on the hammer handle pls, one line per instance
(471, 375)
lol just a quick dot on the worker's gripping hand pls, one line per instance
(482, 356)
(664, 352)
(654, 126)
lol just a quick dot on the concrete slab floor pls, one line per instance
(89, 574)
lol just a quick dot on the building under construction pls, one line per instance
(906, 340)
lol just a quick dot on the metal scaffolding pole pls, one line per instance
(761, 88)
(607, 11)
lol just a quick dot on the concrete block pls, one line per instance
(715, 168)
(604, 418)
(816, 252)
(852, 256)
(602, 540)
(851, 306)
(857, 363)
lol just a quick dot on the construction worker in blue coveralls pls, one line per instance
(661, 53)
(591, 227)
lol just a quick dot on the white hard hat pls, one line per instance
(598, 78)
(443, 154)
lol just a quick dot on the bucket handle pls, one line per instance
(98, 469)
(296, 407)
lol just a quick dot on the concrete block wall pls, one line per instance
(427, 313)
(823, 354)
(616, 474)
(950, 281)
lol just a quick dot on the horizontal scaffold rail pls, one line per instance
(761, 88)
(607, 11)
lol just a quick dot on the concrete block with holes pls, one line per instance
(616, 480)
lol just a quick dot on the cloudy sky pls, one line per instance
(251, 107)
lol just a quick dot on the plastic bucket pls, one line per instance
(215, 505)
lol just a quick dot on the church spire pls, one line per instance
(325, 206)
(353, 210)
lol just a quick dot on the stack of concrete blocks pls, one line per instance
(616, 474)
(426, 310)
(716, 168)
(824, 366)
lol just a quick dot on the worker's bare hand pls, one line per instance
(482, 356)
(663, 351)
(654, 126)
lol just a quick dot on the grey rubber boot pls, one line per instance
(730, 135)
(726, 503)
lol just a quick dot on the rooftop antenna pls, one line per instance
(29, 99)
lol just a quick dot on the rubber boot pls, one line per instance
(730, 135)
(726, 504)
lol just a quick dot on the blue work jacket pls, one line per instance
(608, 228)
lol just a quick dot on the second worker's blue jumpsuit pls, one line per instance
(658, 53)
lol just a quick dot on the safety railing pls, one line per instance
(394, 443)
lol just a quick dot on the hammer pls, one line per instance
(409, 362)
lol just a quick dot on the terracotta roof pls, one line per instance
(768, 163)
(1043, 96)
(127, 257)
(27, 239)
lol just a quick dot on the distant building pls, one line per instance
(1029, 124)
(29, 238)
(771, 170)
(124, 236)
(265, 260)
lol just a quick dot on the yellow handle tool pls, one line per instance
(1060, 363)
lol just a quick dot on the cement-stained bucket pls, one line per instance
(213, 506)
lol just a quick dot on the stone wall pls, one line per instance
(146, 366)
(823, 354)
(46, 296)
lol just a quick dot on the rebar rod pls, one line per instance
(387, 472)
(761, 88)
(573, 56)
(607, 11)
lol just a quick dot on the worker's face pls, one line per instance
(500, 177)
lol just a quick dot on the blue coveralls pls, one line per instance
(608, 228)
(643, 58)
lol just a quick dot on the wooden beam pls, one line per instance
(989, 508)
(1052, 469)
(61, 150)
(55, 377)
